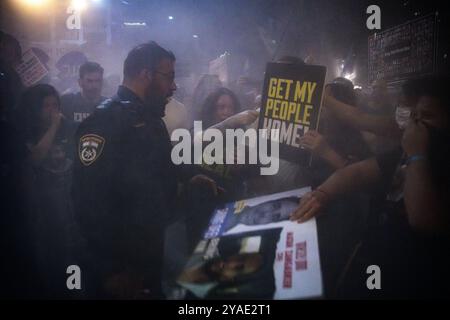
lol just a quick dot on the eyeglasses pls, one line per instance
(169, 76)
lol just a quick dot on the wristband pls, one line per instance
(414, 158)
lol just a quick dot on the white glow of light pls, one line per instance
(350, 76)
(79, 5)
(195, 36)
(170, 17)
(357, 87)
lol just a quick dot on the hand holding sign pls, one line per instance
(314, 142)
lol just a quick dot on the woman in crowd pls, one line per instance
(49, 140)
(206, 85)
(219, 106)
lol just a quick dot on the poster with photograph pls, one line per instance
(252, 251)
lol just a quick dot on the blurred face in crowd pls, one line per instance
(225, 108)
(240, 264)
(430, 111)
(162, 84)
(91, 85)
(50, 105)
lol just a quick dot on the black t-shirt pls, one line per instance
(76, 108)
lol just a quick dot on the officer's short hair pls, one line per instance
(145, 56)
(89, 67)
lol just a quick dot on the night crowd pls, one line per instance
(88, 180)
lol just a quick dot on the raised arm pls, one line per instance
(357, 176)
(359, 120)
(40, 150)
(425, 204)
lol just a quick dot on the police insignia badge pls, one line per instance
(90, 148)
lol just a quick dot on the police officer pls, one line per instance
(124, 180)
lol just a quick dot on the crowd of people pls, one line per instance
(88, 180)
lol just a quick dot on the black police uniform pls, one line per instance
(124, 185)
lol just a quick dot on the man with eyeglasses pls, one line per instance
(124, 183)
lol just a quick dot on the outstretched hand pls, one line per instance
(243, 118)
(310, 206)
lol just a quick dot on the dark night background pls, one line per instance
(257, 30)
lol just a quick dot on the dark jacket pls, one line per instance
(124, 183)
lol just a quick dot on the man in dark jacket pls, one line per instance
(124, 181)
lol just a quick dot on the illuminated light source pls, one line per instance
(170, 17)
(350, 76)
(195, 36)
(79, 5)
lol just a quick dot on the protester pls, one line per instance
(78, 106)
(206, 85)
(49, 140)
(412, 241)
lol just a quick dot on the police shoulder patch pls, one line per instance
(90, 148)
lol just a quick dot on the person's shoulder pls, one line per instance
(103, 112)
(110, 107)
(111, 114)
